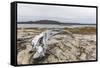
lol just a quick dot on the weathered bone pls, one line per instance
(39, 42)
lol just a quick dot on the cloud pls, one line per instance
(33, 12)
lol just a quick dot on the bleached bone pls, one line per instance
(39, 42)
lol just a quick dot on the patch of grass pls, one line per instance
(82, 30)
(30, 30)
(77, 30)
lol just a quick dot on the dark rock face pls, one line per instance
(61, 48)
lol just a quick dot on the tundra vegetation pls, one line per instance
(61, 47)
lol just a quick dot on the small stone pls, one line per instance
(36, 55)
(83, 56)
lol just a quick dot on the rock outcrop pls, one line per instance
(61, 48)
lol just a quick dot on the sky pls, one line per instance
(65, 14)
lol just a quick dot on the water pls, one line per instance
(51, 26)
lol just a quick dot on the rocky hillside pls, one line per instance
(62, 48)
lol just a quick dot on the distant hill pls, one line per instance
(49, 22)
(40, 22)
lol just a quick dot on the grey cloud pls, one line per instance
(32, 12)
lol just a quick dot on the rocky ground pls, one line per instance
(61, 48)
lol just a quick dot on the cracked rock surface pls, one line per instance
(61, 48)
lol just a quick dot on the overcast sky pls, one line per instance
(65, 14)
